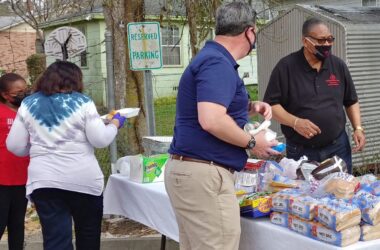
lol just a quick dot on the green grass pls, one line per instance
(164, 111)
(252, 91)
(254, 95)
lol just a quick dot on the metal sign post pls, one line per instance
(149, 102)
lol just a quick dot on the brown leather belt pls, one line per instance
(185, 158)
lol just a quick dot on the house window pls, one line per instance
(83, 59)
(83, 55)
(368, 3)
(171, 49)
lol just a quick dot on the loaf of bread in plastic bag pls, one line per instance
(280, 219)
(341, 185)
(369, 205)
(369, 232)
(280, 200)
(337, 214)
(343, 238)
(303, 207)
(300, 226)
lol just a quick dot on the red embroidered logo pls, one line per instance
(332, 81)
(9, 122)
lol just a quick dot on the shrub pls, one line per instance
(36, 64)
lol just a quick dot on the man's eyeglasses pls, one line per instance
(329, 39)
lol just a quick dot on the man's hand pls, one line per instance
(306, 128)
(263, 148)
(261, 108)
(359, 139)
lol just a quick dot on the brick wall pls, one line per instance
(15, 47)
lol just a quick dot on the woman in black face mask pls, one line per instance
(13, 169)
(13, 90)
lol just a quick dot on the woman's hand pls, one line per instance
(118, 120)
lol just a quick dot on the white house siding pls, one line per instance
(166, 80)
(94, 75)
(249, 65)
(343, 3)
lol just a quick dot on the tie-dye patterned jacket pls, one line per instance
(59, 132)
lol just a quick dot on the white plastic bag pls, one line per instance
(290, 166)
(254, 128)
(123, 166)
(339, 184)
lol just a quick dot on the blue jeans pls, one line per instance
(57, 208)
(340, 147)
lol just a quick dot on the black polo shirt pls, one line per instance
(309, 94)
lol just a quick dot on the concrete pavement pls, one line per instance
(127, 243)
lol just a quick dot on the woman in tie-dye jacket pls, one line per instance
(59, 127)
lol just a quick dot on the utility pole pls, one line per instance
(110, 91)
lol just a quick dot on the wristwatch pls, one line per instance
(252, 143)
(359, 128)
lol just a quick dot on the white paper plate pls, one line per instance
(167, 139)
(127, 112)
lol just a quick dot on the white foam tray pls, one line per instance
(126, 112)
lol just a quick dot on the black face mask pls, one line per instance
(16, 100)
(253, 45)
(322, 51)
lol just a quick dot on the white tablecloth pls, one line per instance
(260, 234)
(149, 204)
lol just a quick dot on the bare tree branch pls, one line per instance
(36, 12)
(16, 11)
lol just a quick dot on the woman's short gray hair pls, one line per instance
(233, 18)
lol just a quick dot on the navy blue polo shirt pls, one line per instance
(309, 94)
(210, 77)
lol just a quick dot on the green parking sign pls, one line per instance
(144, 40)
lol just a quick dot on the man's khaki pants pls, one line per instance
(206, 208)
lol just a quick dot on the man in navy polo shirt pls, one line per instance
(308, 90)
(209, 142)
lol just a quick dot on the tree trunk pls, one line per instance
(114, 17)
(128, 84)
(201, 18)
(134, 12)
(191, 9)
